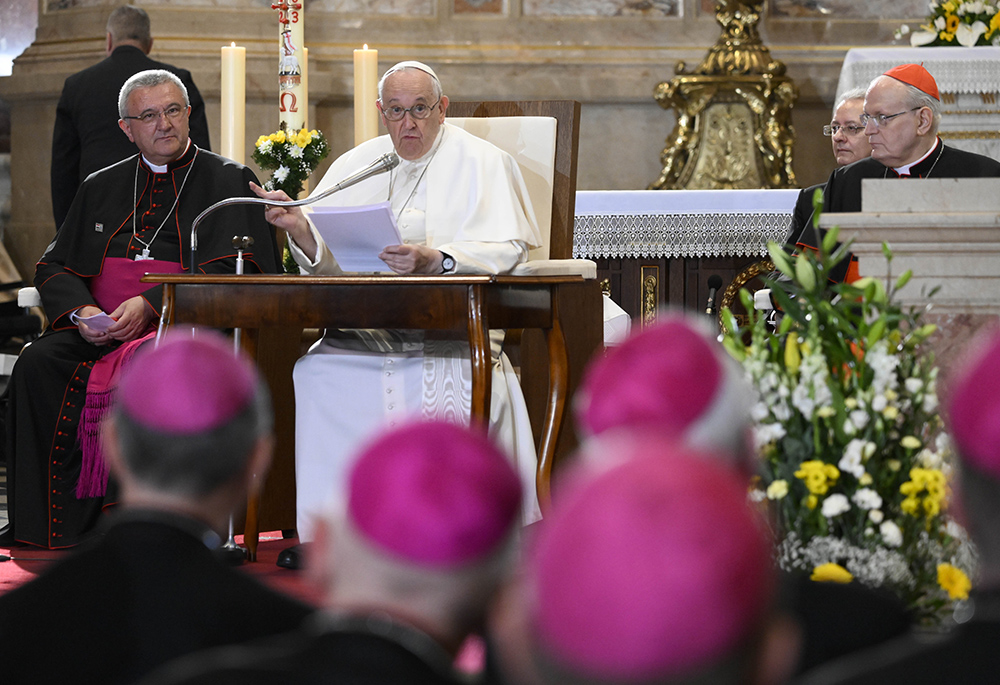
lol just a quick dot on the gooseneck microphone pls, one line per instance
(714, 283)
(384, 163)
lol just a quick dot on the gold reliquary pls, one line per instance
(734, 112)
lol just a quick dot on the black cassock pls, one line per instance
(843, 189)
(48, 385)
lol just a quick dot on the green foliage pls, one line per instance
(853, 459)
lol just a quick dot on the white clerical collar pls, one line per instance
(905, 169)
(162, 169)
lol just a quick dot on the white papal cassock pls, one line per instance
(466, 198)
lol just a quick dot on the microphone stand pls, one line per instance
(230, 552)
(384, 163)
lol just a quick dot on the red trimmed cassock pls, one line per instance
(92, 261)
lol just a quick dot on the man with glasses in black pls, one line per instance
(462, 207)
(901, 119)
(847, 135)
(128, 219)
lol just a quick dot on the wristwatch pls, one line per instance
(447, 263)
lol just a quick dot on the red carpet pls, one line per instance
(28, 562)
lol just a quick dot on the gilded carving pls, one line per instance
(730, 296)
(734, 112)
(650, 281)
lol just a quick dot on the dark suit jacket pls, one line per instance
(968, 654)
(843, 189)
(145, 592)
(373, 652)
(802, 215)
(86, 137)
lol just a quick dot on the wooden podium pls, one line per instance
(273, 311)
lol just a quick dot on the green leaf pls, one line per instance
(734, 348)
(780, 259)
(876, 331)
(830, 239)
(887, 251)
(805, 274)
(904, 278)
(817, 202)
(785, 325)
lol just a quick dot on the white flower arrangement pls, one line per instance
(854, 458)
(962, 22)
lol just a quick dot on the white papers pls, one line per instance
(97, 322)
(357, 235)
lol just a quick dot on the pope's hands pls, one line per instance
(289, 219)
(412, 259)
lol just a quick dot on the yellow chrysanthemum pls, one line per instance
(928, 482)
(817, 475)
(261, 141)
(953, 581)
(278, 137)
(835, 573)
(778, 489)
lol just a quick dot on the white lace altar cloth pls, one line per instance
(679, 223)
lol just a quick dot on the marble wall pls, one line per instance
(608, 54)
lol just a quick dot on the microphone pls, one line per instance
(714, 283)
(389, 160)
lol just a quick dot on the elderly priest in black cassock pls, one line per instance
(129, 219)
(902, 115)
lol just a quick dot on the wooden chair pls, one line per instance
(527, 349)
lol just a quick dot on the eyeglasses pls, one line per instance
(172, 113)
(418, 111)
(850, 129)
(879, 120)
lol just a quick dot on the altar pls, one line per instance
(658, 248)
(968, 79)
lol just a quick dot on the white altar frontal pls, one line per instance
(679, 223)
(968, 80)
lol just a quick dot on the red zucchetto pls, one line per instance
(918, 77)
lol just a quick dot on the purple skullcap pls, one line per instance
(973, 404)
(434, 494)
(187, 384)
(672, 377)
(651, 569)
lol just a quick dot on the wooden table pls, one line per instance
(469, 305)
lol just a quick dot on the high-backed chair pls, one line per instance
(552, 188)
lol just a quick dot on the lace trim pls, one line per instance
(952, 75)
(598, 236)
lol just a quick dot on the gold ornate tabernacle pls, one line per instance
(734, 112)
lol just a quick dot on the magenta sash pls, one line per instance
(117, 282)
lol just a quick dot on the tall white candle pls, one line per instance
(365, 94)
(233, 101)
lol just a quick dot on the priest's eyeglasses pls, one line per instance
(850, 129)
(172, 113)
(879, 120)
(418, 111)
